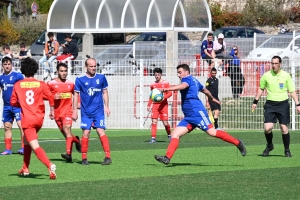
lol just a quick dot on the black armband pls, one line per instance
(255, 101)
(298, 104)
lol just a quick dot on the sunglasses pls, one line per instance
(235, 49)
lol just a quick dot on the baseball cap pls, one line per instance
(221, 36)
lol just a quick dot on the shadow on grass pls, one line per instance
(194, 164)
(31, 175)
(90, 162)
(157, 141)
(271, 155)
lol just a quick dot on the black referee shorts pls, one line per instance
(274, 110)
(214, 106)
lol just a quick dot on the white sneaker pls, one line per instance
(52, 173)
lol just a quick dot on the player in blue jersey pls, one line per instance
(195, 114)
(7, 81)
(92, 88)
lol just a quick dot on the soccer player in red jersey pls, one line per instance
(62, 90)
(28, 94)
(159, 109)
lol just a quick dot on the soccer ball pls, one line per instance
(156, 95)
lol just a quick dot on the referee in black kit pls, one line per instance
(277, 83)
(212, 85)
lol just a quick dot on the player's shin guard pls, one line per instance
(69, 141)
(172, 147)
(8, 144)
(168, 129)
(84, 147)
(226, 137)
(41, 155)
(27, 155)
(105, 145)
(153, 130)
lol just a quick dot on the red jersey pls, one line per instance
(163, 84)
(63, 93)
(29, 94)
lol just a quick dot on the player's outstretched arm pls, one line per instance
(208, 94)
(180, 86)
(75, 103)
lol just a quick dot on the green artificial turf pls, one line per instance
(202, 168)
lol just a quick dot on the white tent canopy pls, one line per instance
(103, 16)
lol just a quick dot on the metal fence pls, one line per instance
(129, 83)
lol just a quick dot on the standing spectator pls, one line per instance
(28, 94)
(159, 109)
(234, 72)
(207, 48)
(195, 114)
(62, 90)
(94, 104)
(7, 52)
(70, 50)
(277, 83)
(212, 85)
(51, 50)
(8, 80)
(23, 53)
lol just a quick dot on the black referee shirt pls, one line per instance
(212, 84)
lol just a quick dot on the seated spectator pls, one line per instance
(235, 74)
(23, 53)
(70, 51)
(220, 48)
(7, 52)
(207, 51)
(51, 50)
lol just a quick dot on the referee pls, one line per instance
(277, 83)
(212, 85)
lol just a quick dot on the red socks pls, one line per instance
(105, 145)
(27, 155)
(84, 147)
(75, 139)
(172, 147)
(168, 129)
(69, 141)
(226, 137)
(8, 144)
(153, 130)
(41, 155)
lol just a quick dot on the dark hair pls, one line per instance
(29, 67)
(184, 67)
(61, 65)
(50, 34)
(210, 34)
(6, 59)
(157, 70)
(87, 61)
(277, 57)
(22, 45)
(213, 69)
(5, 47)
(68, 36)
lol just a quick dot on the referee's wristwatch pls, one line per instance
(298, 104)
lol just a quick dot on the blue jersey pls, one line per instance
(189, 96)
(7, 82)
(90, 90)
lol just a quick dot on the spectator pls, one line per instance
(207, 51)
(220, 48)
(23, 53)
(70, 50)
(234, 72)
(7, 52)
(51, 50)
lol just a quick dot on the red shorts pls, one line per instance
(65, 120)
(161, 111)
(31, 133)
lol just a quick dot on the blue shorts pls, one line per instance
(87, 122)
(10, 113)
(198, 119)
